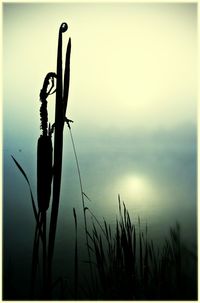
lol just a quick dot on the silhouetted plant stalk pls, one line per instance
(61, 106)
(44, 173)
(48, 172)
(75, 257)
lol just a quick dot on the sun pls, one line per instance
(136, 187)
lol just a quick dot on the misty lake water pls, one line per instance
(133, 103)
(155, 176)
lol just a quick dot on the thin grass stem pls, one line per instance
(83, 202)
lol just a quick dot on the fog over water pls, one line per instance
(133, 95)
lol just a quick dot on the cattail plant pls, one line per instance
(49, 164)
(44, 150)
(44, 170)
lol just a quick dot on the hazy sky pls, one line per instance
(132, 65)
(133, 95)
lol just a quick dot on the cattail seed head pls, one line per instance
(44, 172)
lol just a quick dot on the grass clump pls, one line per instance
(129, 266)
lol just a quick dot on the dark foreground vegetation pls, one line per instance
(129, 266)
(124, 264)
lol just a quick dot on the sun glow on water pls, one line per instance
(137, 188)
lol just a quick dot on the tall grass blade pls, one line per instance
(67, 75)
(87, 196)
(83, 202)
(75, 257)
(26, 178)
(35, 262)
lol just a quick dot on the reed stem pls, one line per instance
(61, 104)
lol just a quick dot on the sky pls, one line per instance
(133, 99)
(138, 61)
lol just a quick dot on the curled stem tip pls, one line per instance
(64, 27)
